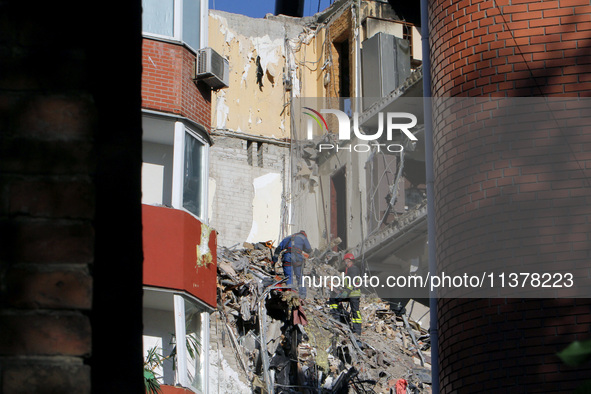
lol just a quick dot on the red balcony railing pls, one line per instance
(179, 252)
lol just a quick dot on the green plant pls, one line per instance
(574, 355)
(153, 360)
(151, 383)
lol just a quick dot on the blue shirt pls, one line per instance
(294, 249)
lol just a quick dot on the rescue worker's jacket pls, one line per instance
(294, 246)
(350, 274)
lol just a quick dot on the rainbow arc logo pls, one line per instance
(317, 117)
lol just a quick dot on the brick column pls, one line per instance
(516, 197)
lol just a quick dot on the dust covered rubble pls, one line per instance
(284, 344)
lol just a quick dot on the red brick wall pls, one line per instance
(167, 82)
(511, 48)
(518, 197)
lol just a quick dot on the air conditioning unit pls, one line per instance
(212, 68)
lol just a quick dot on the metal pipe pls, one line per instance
(358, 59)
(427, 112)
(263, 342)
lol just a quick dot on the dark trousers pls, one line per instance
(294, 278)
(338, 313)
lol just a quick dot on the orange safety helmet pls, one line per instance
(349, 256)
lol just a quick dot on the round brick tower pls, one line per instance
(522, 197)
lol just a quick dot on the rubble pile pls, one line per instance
(286, 344)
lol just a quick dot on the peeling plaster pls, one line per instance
(242, 39)
(204, 256)
(245, 73)
(221, 110)
(270, 53)
(223, 25)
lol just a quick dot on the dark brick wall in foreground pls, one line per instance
(70, 218)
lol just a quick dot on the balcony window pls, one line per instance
(179, 20)
(189, 172)
(193, 176)
(167, 317)
(175, 166)
(158, 17)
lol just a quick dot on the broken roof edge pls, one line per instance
(300, 21)
(247, 26)
(320, 18)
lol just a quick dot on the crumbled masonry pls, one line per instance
(284, 344)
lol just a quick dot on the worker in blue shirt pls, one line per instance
(293, 248)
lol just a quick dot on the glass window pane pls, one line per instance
(191, 23)
(193, 177)
(195, 344)
(158, 17)
(158, 334)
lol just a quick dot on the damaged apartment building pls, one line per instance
(223, 165)
(268, 180)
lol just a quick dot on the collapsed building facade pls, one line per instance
(267, 181)
(373, 202)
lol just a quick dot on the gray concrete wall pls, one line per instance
(246, 195)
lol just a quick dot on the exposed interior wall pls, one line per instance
(266, 204)
(314, 199)
(248, 198)
(252, 120)
(255, 48)
(157, 173)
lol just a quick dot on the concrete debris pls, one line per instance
(223, 378)
(285, 344)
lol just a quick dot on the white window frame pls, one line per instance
(177, 25)
(204, 27)
(177, 170)
(181, 346)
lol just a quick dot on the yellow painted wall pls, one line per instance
(247, 107)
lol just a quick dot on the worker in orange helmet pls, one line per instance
(350, 294)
